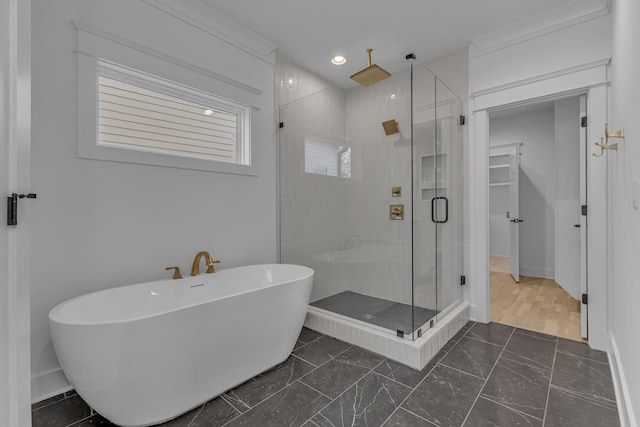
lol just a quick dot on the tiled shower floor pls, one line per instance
(487, 375)
(380, 312)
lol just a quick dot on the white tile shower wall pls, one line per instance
(293, 82)
(313, 218)
(382, 163)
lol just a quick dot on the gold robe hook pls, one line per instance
(604, 142)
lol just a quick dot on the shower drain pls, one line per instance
(368, 316)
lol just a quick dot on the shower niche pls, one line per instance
(433, 169)
(379, 269)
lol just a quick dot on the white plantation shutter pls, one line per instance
(136, 118)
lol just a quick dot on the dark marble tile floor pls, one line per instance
(487, 375)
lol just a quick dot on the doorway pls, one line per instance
(537, 171)
(590, 80)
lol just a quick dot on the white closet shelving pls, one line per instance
(498, 170)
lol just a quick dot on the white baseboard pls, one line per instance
(545, 273)
(48, 384)
(625, 408)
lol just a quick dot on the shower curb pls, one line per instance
(415, 354)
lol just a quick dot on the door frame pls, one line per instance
(15, 157)
(591, 80)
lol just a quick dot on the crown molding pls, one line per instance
(199, 15)
(155, 53)
(595, 64)
(546, 22)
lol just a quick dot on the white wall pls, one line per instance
(536, 129)
(574, 46)
(623, 171)
(102, 224)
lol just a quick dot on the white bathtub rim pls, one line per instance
(54, 315)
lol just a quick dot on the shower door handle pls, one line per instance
(433, 210)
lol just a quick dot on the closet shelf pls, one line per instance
(498, 184)
(499, 166)
(432, 186)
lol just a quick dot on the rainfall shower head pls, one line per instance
(370, 75)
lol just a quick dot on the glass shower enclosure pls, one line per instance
(370, 197)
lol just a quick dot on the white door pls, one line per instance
(15, 144)
(567, 209)
(514, 214)
(584, 157)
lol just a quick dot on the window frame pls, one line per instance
(89, 146)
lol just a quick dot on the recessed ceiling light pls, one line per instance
(338, 60)
(208, 112)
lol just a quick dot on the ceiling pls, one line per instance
(311, 32)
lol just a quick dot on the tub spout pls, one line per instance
(195, 268)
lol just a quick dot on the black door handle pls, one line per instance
(576, 225)
(433, 210)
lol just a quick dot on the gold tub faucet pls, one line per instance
(195, 268)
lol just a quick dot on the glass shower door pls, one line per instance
(448, 204)
(426, 167)
(438, 200)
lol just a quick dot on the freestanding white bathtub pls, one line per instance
(146, 353)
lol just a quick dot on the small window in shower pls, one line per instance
(324, 157)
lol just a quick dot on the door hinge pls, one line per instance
(12, 206)
(585, 299)
(583, 122)
(281, 125)
(463, 120)
(583, 210)
(463, 280)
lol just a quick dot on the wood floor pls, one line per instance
(535, 304)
